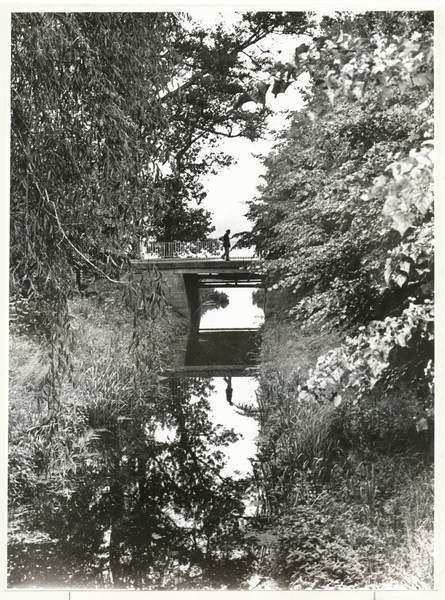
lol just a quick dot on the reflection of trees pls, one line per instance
(137, 511)
(211, 299)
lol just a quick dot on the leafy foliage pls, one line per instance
(334, 484)
(85, 109)
(325, 216)
(344, 222)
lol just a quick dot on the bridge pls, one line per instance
(186, 268)
(212, 248)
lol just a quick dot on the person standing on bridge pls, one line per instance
(226, 245)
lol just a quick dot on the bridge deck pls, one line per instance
(205, 371)
(194, 265)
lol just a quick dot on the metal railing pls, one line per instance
(212, 248)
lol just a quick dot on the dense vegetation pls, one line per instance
(115, 471)
(344, 223)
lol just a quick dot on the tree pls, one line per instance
(178, 221)
(211, 299)
(225, 63)
(99, 103)
(328, 214)
(86, 129)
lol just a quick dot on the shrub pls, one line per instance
(322, 545)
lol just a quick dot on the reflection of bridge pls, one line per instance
(222, 349)
(217, 353)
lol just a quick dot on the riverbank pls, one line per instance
(344, 494)
(97, 498)
(348, 491)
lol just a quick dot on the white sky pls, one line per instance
(230, 190)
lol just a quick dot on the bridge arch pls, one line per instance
(184, 278)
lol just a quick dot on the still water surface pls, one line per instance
(240, 313)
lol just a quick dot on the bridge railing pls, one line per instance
(212, 248)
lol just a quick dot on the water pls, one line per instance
(229, 416)
(85, 554)
(240, 313)
(223, 413)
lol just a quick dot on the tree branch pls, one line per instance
(77, 250)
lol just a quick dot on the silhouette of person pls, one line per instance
(226, 244)
(229, 389)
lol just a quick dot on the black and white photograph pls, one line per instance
(221, 318)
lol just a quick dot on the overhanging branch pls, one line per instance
(95, 267)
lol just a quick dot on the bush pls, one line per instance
(342, 541)
(386, 423)
(322, 545)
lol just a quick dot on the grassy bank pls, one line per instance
(348, 491)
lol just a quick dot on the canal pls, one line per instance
(144, 515)
(231, 331)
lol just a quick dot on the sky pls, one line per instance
(229, 191)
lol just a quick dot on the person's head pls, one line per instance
(228, 231)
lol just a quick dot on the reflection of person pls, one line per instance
(229, 389)
(226, 244)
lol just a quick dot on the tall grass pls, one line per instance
(103, 387)
(348, 492)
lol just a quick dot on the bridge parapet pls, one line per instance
(205, 249)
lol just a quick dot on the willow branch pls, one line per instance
(96, 268)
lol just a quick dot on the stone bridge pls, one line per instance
(184, 278)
